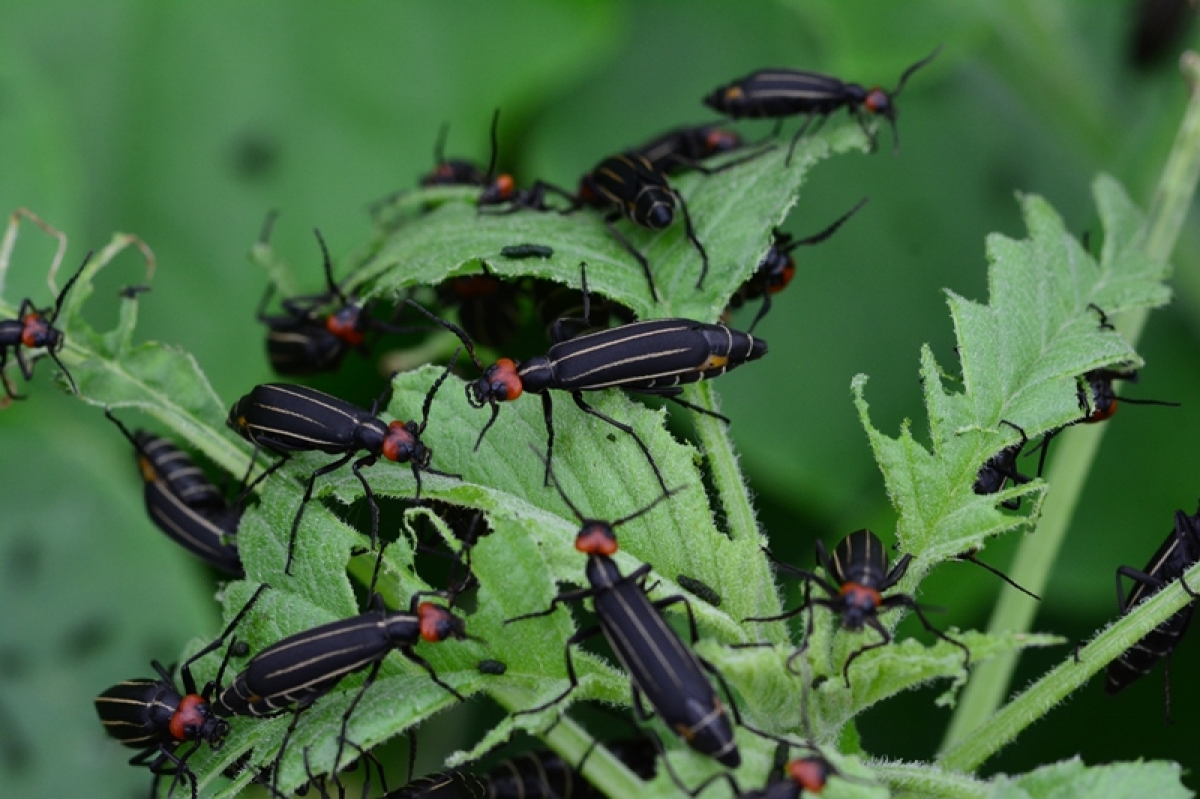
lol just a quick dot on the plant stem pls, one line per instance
(734, 496)
(722, 463)
(1048, 691)
(1073, 461)
(602, 769)
(924, 780)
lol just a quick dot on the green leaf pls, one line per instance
(602, 471)
(165, 382)
(769, 686)
(1021, 356)
(1071, 778)
(733, 212)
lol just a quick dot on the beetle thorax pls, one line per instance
(810, 773)
(877, 101)
(438, 623)
(500, 383)
(859, 602)
(345, 325)
(596, 538)
(37, 332)
(402, 444)
(193, 721)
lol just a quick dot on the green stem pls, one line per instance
(1042, 55)
(602, 769)
(734, 496)
(1056, 684)
(732, 490)
(1173, 197)
(926, 781)
(1073, 460)
(1031, 568)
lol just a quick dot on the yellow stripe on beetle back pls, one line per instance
(616, 178)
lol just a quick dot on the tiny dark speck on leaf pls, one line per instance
(527, 251)
(492, 667)
(700, 589)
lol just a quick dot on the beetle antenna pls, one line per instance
(62, 294)
(582, 519)
(439, 144)
(495, 414)
(817, 238)
(558, 486)
(658, 501)
(495, 149)
(453, 328)
(908, 72)
(434, 389)
(334, 289)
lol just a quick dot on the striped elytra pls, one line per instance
(303, 667)
(662, 668)
(145, 713)
(286, 418)
(185, 505)
(157, 717)
(683, 147)
(1177, 554)
(543, 774)
(779, 93)
(650, 357)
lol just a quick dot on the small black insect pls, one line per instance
(519, 251)
(778, 267)
(685, 147)
(317, 330)
(700, 589)
(1002, 467)
(493, 667)
(34, 329)
(858, 576)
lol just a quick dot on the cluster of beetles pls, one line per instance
(168, 718)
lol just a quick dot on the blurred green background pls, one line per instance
(186, 123)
